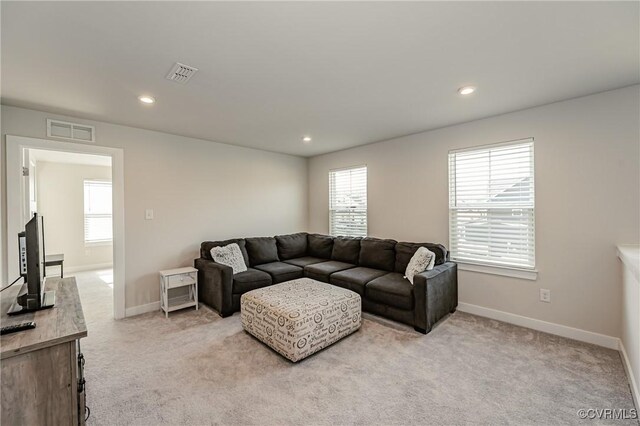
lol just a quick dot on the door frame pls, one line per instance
(15, 144)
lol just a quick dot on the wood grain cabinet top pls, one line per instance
(62, 323)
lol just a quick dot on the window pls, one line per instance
(348, 202)
(97, 212)
(491, 205)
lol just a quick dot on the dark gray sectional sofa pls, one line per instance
(372, 267)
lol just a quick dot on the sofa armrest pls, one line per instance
(215, 285)
(436, 294)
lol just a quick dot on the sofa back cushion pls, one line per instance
(378, 254)
(405, 251)
(292, 245)
(262, 250)
(320, 245)
(346, 249)
(205, 248)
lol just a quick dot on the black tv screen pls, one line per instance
(35, 255)
(32, 296)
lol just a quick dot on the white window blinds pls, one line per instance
(97, 211)
(491, 205)
(348, 202)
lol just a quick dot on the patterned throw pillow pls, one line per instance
(422, 260)
(229, 255)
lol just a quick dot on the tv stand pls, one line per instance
(41, 369)
(48, 300)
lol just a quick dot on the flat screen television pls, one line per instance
(32, 296)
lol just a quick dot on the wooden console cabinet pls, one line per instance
(39, 367)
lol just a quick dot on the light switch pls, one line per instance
(148, 214)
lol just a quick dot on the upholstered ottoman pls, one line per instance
(300, 317)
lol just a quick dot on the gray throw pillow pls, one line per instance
(229, 255)
(422, 260)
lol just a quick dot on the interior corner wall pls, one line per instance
(587, 174)
(60, 200)
(199, 190)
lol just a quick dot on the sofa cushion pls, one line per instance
(320, 245)
(355, 279)
(346, 249)
(378, 254)
(281, 272)
(262, 250)
(205, 248)
(391, 289)
(292, 245)
(304, 261)
(322, 271)
(250, 280)
(405, 251)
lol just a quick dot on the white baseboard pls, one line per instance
(142, 309)
(632, 381)
(547, 327)
(81, 268)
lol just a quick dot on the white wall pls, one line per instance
(198, 189)
(60, 200)
(587, 153)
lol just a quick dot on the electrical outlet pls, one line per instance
(148, 214)
(545, 295)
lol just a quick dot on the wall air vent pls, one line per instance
(181, 73)
(70, 131)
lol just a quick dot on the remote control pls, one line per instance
(17, 327)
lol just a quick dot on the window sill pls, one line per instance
(525, 274)
(98, 243)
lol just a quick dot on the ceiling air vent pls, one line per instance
(181, 73)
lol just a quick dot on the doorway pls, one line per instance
(73, 194)
(79, 190)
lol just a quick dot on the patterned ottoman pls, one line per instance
(298, 318)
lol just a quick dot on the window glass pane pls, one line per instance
(97, 197)
(97, 211)
(348, 202)
(98, 228)
(491, 205)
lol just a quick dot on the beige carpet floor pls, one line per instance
(197, 368)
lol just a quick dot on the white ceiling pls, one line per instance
(69, 158)
(345, 73)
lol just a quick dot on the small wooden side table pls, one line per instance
(54, 260)
(177, 278)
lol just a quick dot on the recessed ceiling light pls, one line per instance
(466, 90)
(306, 139)
(146, 99)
